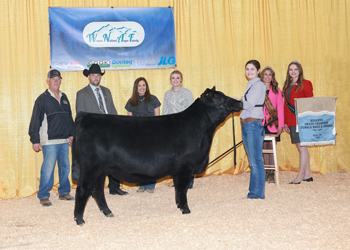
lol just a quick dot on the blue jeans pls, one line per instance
(253, 137)
(53, 153)
(191, 183)
(146, 186)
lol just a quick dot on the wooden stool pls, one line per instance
(274, 152)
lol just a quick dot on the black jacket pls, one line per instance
(60, 123)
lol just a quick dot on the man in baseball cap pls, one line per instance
(53, 73)
(51, 130)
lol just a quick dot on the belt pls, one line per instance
(249, 120)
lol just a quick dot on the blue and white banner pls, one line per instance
(114, 38)
(316, 120)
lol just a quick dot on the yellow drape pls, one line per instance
(214, 40)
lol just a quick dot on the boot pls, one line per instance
(271, 176)
(75, 172)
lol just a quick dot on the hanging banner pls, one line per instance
(114, 38)
(316, 120)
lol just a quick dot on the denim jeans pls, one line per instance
(191, 183)
(53, 153)
(253, 136)
(146, 186)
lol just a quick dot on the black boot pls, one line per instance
(75, 172)
(271, 177)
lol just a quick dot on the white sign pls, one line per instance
(113, 34)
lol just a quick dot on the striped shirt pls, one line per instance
(177, 102)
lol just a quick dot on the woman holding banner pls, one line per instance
(273, 116)
(295, 86)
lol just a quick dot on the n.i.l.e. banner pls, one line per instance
(316, 120)
(114, 38)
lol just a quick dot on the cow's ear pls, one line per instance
(213, 89)
(205, 93)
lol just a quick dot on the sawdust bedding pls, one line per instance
(312, 215)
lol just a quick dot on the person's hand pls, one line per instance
(36, 147)
(279, 131)
(70, 141)
(286, 128)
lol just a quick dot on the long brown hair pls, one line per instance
(135, 98)
(274, 83)
(289, 78)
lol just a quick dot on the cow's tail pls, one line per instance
(75, 167)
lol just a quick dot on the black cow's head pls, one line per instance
(218, 99)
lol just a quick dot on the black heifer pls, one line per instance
(142, 149)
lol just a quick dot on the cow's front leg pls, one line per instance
(99, 195)
(181, 184)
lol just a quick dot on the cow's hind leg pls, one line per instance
(99, 196)
(81, 196)
(181, 184)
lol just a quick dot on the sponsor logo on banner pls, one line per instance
(59, 64)
(147, 62)
(113, 34)
(121, 63)
(164, 62)
(68, 65)
(102, 64)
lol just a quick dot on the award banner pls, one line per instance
(316, 120)
(114, 38)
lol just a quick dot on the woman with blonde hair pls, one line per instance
(177, 98)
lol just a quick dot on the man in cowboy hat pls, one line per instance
(51, 130)
(95, 98)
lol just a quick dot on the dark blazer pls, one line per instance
(86, 101)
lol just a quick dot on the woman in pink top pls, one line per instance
(273, 108)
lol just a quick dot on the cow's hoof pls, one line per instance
(110, 215)
(185, 211)
(80, 222)
(107, 212)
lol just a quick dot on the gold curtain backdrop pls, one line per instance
(214, 40)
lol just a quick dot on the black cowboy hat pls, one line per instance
(94, 69)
